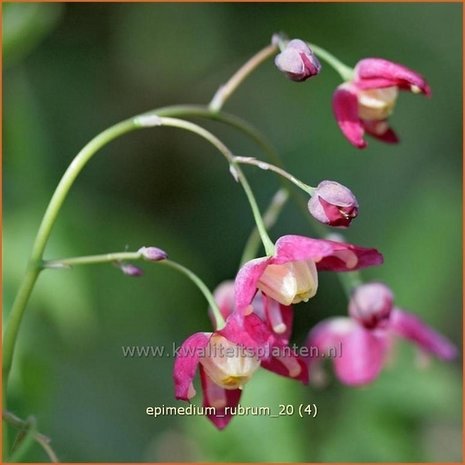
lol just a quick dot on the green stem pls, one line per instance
(5, 432)
(35, 263)
(350, 280)
(70, 176)
(267, 166)
(269, 219)
(43, 234)
(203, 112)
(42, 440)
(25, 443)
(122, 256)
(344, 71)
(188, 126)
(14, 321)
(226, 90)
(202, 287)
(93, 259)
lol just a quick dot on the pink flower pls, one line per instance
(365, 103)
(227, 359)
(298, 61)
(365, 337)
(290, 275)
(333, 204)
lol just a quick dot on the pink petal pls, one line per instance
(298, 61)
(328, 255)
(246, 281)
(277, 317)
(374, 128)
(362, 357)
(212, 397)
(288, 364)
(413, 328)
(345, 109)
(224, 297)
(339, 217)
(286, 315)
(361, 354)
(378, 83)
(401, 76)
(300, 248)
(247, 331)
(350, 257)
(185, 365)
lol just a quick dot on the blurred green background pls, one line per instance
(71, 70)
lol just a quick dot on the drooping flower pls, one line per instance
(333, 204)
(365, 103)
(290, 275)
(227, 359)
(366, 336)
(298, 61)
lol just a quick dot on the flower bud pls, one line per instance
(371, 304)
(298, 61)
(130, 270)
(333, 204)
(153, 254)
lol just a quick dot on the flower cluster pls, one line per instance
(258, 313)
(253, 315)
(253, 320)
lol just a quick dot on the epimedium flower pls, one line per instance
(227, 359)
(364, 104)
(333, 204)
(298, 61)
(290, 275)
(365, 337)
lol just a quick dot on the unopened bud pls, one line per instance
(333, 204)
(153, 254)
(298, 61)
(371, 304)
(130, 270)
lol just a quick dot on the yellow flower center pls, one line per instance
(290, 283)
(376, 104)
(227, 364)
